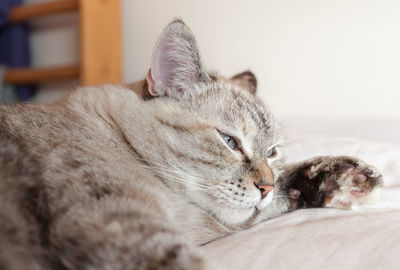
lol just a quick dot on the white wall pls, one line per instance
(319, 58)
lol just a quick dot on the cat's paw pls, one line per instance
(338, 182)
(346, 182)
(357, 184)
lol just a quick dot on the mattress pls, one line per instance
(366, 238)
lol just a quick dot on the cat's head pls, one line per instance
(220, 145)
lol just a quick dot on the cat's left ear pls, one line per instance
(175, 65)
(246, 80)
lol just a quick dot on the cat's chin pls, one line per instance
(233, 215)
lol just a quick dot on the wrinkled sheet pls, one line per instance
(366, 238)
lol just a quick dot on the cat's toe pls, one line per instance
(372, 172)
(358, 181)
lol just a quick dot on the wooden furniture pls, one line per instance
(100, 42)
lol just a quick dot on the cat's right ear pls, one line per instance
(175, 65)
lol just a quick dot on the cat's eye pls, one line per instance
(272, 152)
(229, 140)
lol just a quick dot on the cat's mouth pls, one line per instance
(261, 204)
(266, 201)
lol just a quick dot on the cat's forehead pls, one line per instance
(238, 109)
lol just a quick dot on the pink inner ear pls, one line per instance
(150, 83)
(162, 67)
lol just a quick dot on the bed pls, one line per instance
(366, 238)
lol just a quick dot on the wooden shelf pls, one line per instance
(100, 42)
(39, 75)
(25, 12)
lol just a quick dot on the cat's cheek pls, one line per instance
(266, 201)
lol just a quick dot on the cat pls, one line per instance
(136, 177)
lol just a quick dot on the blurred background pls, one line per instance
(313, 58)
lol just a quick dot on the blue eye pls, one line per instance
(271, 152)
(230, 141)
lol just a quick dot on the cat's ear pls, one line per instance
(247, 80)
(175, 65)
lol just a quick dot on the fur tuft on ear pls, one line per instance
(247, 80)
(176, 64)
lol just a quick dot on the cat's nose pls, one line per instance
(264, 188)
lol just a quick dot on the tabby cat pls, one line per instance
(117, 177)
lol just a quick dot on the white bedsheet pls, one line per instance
(367, 238)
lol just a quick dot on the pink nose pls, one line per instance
(264, 188)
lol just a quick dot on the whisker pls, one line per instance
(173, 176)
(176, 173)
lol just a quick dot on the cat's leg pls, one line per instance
(19, 203)
(338, 182)
(18, 239)
(115, 234)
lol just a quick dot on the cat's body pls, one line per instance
(93, 158)
(107, 179)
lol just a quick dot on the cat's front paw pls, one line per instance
(354, 183)
(337, 182)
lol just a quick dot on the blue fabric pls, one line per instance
(4, 7)
(14, 46)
